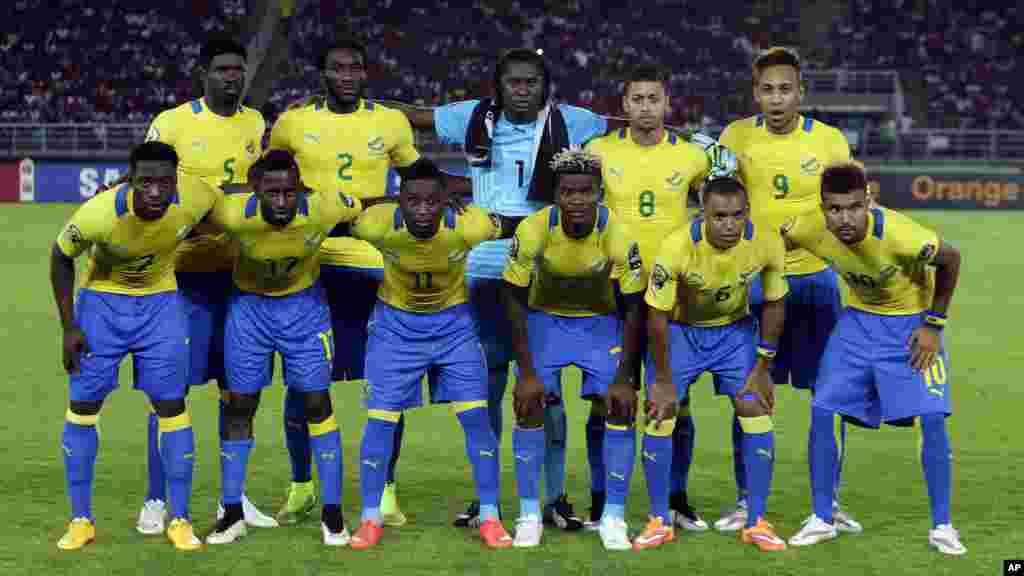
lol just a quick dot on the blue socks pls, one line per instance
(177, 444)
(325, 441)
(595, 452)
(936, 458)
(482, 449)
(157, 488)
(823, 458)
(554, 451)
(657, 457)
(377, 448)
(296, 435)
(619, 457)
(80, 443)
(528, 450)
(683, 438)
(758, 455)
(234, 459)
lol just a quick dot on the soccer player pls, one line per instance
(509, 141)
(700, 322)
(423, 323)
(218, 140)
(128, 302)
(342, 141)
(278, 305)
(561, 305)
(647, 172)
(781, 157)
(885, 360)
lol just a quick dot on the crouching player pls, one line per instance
(128, 302)
(561, 303)
(279, 306)
(700, 322)
(423, 323)
(885, 360)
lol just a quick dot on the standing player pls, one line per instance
(561, 305)
(342, 141)
(217, 139)
(128, 302)
(781, 158)
(700, 322)
(423, 323)
(885, 360)
(509, 142)
(647, 173)
(278, 305)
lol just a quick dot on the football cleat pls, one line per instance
(734, 520)
(342, 538)
(528, 532)
(300, 504)
(684, 516)
(494, 534)
(614, 533)
(763, 536)
(389, 509)
(946, 539)
(844, 522)
(368, 535)
(560, 513)
(180, 534)
(152, 518)
(470, 518)
(227, 531)
(813, 531)
(655, 534)
(81, 531)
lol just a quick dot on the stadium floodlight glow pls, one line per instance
(540, 51)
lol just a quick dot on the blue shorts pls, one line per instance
(205, 296)
(593, 344)
(488, 305)
(866, 373)
(813, 306)
(728, 352)
(351, 295)
(152, 328)
(404, 346)
(297, 326)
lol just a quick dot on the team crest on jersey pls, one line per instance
(674, 181)
(633, 259)
(313, 239)
(927, 252)
(598, 266)
(810, 166)
(199, 146)
(250, 148)
(346, 200)
(887, 273)
(311, 138)
(153, 134)
(659, 277)
(73, 234)
(695, 279)
(375, 146)
(616, 171)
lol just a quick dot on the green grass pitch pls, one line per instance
(883, 482)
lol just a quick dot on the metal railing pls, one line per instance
(84, 141)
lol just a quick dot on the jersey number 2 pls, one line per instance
(346, 164)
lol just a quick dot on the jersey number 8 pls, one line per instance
(646, 206)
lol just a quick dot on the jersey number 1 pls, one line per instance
(520, 169)
(346, 164)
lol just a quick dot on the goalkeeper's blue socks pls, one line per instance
(528, 451)
(234, 461)
(482, 449)
(555, 430)
(157, 486)
(619, 457)
(177, 444)
(378, 444)
(296, 435)
(80, 443)
(936, 459)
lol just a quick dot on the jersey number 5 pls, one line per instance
(781, 185)
(229, 171)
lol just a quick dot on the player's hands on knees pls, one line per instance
(760, 384)
(74, 346)
(622, 399)
(661, 401)
(528, 396)
(924, 347)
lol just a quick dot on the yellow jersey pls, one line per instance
(782, 173)
(887, 272)
(277, 261)
(573, 276)
(647, 186)
(351, 152)
(425, 275)
(701, 285)
(129, 255)
(218, 149)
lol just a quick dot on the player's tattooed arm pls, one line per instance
(622, 394)
(528, 394)
(62, 278)
(926, 343)
(661, 397)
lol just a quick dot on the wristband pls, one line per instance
(765, 350)
(935, 320)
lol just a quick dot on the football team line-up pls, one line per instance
(576, 248)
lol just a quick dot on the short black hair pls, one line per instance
(647, 73)
(152, 151)
(843, 178)
(273, 161)
(218, 45)
(723, 186)
(528, 56)
(350, 44)
(422, 169)
(776, 56)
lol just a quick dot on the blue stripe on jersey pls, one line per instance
(879, 227)
(759, 120)
(622, 133)
(695, 232)
(602, 217)
(808, 124)
(748, 231)
(398, 219)
(553, 217)
(251, 206)
(303, 205)
(121, 201)
(672, 138)
(197, 106)
(449, 218)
